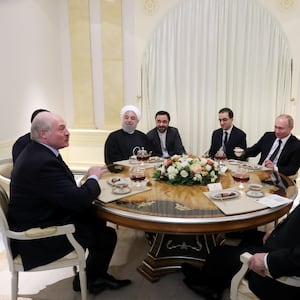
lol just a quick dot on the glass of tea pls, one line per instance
(137, 176)
(220, 156)
(240, 177)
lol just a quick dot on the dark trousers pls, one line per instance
(224, 262)
(100, 240)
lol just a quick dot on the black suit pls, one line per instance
(43, 193)
(237, 138)
(173, 142)
(289, 160)
(283, 248)
(19, 145)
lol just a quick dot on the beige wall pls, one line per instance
(63, 72)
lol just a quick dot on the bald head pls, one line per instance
(50, 129)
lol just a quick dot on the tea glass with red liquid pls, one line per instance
(220, 156)
(240, 177)
(137, 176)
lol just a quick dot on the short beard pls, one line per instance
(129, 128)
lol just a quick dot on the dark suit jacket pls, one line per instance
(173, 142)
(283, 248)
(237, 138)
(43, 193)
(289, 160)
(19, 145)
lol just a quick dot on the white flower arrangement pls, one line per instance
(187, 169)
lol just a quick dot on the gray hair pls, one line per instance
(289, 119)
(42, 121)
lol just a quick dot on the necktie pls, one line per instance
(225, 139)
(274, 154)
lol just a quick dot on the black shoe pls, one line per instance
(202, 290)
(100, 284)
(111, 282)
(192, 273)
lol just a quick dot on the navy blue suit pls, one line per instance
(289, 160)
(237, 138)
(43, 193)
(173, 142)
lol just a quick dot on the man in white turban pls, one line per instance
(120, 143)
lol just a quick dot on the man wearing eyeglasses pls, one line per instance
(228, 136)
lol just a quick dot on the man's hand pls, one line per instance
(97, 171)
(256, 264)
(269, 164)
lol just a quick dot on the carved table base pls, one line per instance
(168, 252)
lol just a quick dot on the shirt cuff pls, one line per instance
(265, 262)
(93, 177)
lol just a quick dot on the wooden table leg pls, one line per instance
(168, 252)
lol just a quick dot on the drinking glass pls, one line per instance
(240, 176)
(137, 176)
(220, 156)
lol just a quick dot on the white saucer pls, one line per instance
(255, 194)
(121, 191)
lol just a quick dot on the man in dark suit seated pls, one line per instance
(279, 149)
(43, 193)
(277, 251)
(165, 140)
(228, 136)
(25, 139)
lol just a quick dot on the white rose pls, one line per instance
(172, 170)
(203, 161)
(184, 173)
(208, 167)
(184, 163)
(178, 166)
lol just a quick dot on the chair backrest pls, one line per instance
(4, 225)
(6, 168)
(5, 173)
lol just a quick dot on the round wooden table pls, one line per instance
(186, 221)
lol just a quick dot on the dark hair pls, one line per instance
(37, 112)
(163, 112)
(226, 110)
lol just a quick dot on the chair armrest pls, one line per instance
(238, 277)
(39, 233)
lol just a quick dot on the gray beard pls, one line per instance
(129, 128)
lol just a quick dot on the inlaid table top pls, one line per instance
(185, 209)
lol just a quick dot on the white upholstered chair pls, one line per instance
(73, 259)
(239, 289)
(5, 172)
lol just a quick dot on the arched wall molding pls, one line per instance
(209, 54)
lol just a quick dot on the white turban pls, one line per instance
(130, 108)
